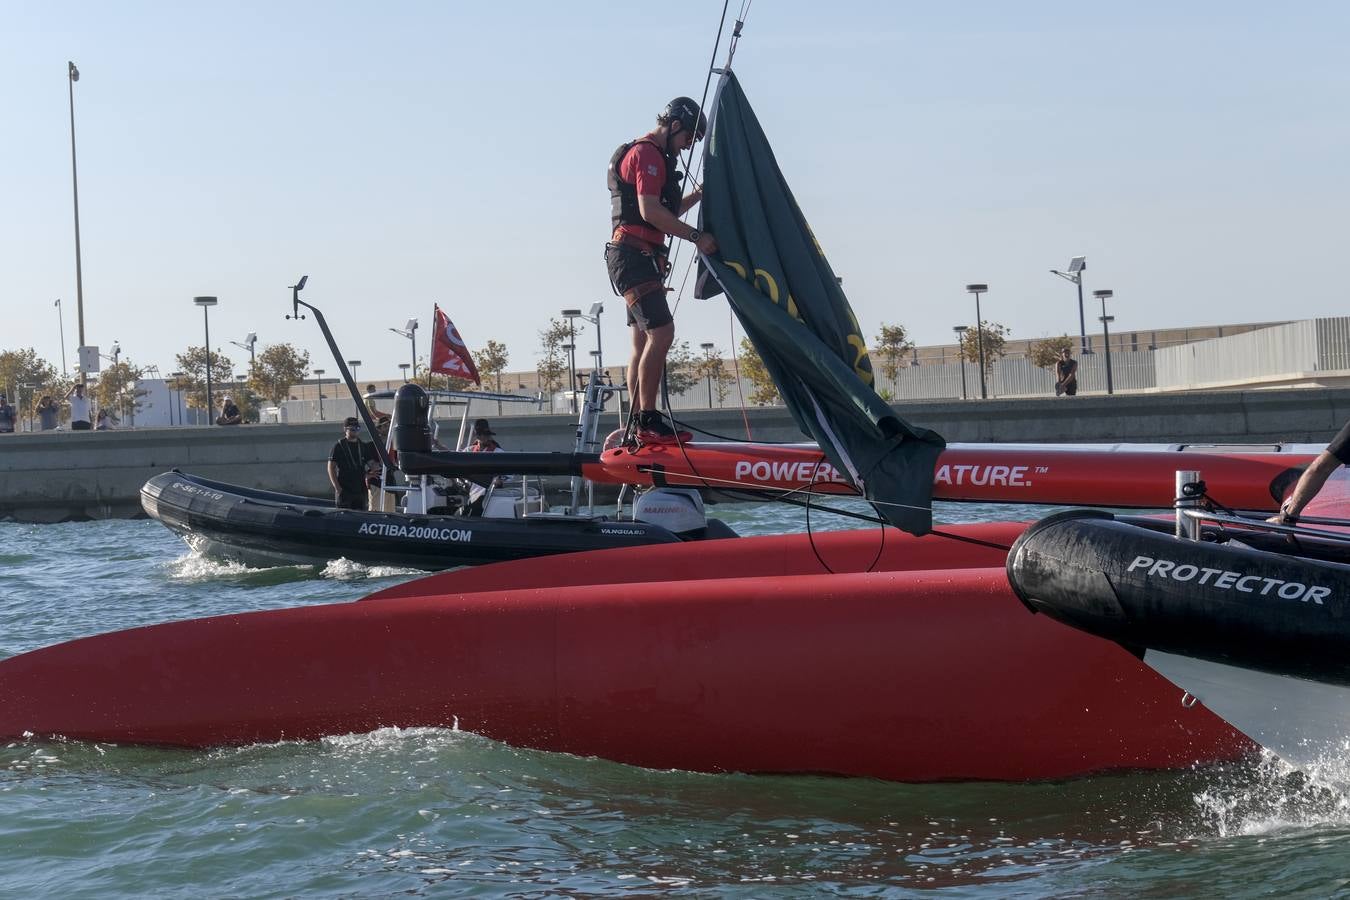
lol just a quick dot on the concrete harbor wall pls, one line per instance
(61, 476)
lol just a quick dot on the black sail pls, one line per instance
(794, 311)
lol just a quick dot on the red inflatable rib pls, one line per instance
(1125, 478)
(907, 658)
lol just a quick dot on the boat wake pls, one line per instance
(344, 569)
(1277, 798)
(193, 568)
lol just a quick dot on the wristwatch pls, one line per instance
(694, 235)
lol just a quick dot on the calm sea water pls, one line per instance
(436, 812)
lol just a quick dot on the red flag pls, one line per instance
(449, 355)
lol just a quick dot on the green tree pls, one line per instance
(681, 369)
(552, 367)
(712, 370)
(893, 345)
(116, 390)
(25, 377)
(275, 370)
(192, 363)
(1045, 352)
(995, 341)
(752, 367)
(491, 362)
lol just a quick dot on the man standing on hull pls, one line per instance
(646, 202)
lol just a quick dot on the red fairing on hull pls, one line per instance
(1131, 478)
(929, 673)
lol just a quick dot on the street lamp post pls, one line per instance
(571, 315)
(73, 75)
(205, 303)
(707, 348)
(960, 355)
(1106, 334)
(409, 331)
(318, 373)
(355, 364)
(1075, 275)
(61, 324)
(248, 344)
(177, 391)
(404, 368)
(977, 290)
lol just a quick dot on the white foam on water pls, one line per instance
(192, 568)
(1279, 797)
(343, 569)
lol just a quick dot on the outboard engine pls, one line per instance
(412, 412)
(678, 510)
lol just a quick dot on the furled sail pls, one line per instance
(794, 311)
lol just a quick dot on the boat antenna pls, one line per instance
(338, 358)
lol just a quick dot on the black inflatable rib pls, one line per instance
(261, 528)
(1285, 613)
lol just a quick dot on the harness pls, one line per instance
(623, 197)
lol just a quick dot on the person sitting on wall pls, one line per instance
(104, 421)
(1066, 374)
(229, 413)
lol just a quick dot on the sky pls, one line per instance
(414, 153)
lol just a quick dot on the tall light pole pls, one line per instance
(177, 391)
(409, 331)
(977, 290)
(61, 323)
(1106, 334)
(571, 315)
(73, 75)
(404, 368)
(249, 343)
(708, 358)
(318, 373)
(960, 354)
(205, 303)
(1075, 275)
(355, 364)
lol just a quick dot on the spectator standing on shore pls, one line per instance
(229, 413)
(1066, 374)
(7, 417)
(49, 416)
(347, 466)
(79, 409)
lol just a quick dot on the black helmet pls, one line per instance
(687, 112)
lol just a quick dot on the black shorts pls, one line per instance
(351, 498)
(1340, 445)
(639, 277)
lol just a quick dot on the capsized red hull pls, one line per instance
(996, 474)
(926, 668)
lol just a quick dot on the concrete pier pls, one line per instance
(64, 476)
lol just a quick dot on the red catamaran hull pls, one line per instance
(736, 655)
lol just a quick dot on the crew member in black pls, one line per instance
(347, 466)
(646, 202)
(1310, 482)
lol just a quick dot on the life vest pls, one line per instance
(623, 198)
